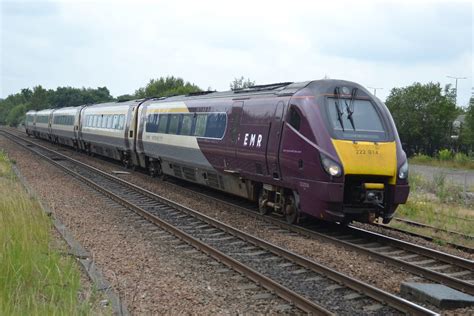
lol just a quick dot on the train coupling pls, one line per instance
(374, 193)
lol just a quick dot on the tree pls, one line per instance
(16, 115)
(241, 83)
(125, 97)
(467, 132)
(40, 98)
(423, 117)
(164, 87)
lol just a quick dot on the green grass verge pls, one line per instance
(464, 163)
(35, 278)
(440, 204)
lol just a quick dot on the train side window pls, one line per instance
(215, 125)
(186, 124)
(99, 120)
(110, 121)
(115, 122)
(162, 123)
(201, 121)
(173, 124)
(295, 118)
(104, 121)
(152, 123)
(121, 121)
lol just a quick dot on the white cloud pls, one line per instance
(123, 44)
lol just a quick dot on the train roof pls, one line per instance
(45, 111)
(115, 103)
(68, 109)
(275, 89)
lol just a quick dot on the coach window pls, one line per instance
(201, 121)
(215, 125)
(295, 118)
(115, 122)
(110, 121)
(121, 121)
(186, 124)
(152, 123)
(90, 120)
(99, 120)
(174, 124)
(162, 123)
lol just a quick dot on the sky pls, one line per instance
(123, 44)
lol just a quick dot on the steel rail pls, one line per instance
(415, 269)
(299, 301)
(285, 293)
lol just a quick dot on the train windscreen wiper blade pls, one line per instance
(350, 107)
(340, 112)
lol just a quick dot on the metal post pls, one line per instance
(456, 87)
(375, 90)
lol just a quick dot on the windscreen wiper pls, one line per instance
(350, 107)
(340, 112)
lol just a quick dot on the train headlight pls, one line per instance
(403, 171)
(331, 167)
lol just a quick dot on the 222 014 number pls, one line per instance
(366, 152)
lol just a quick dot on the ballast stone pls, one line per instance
(437, 294)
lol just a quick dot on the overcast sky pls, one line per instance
(123, 44)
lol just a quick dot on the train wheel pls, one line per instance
(291, 210)
(262, 203)
(154, 168)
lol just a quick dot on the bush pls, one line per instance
(421, 158)
(461, 158)
(444, 155)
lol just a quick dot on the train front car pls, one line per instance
(341, 149)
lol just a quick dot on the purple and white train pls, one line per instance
(325, 148)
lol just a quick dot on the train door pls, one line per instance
(231, 162)
(274, 140)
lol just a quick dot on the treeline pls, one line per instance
(14, 107)
(424, 115)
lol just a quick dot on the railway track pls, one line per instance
(452, 271)
(306, 284)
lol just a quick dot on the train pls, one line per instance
(326, 149)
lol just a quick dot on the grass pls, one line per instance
(35, 278)
(444, 160)
(437, 203)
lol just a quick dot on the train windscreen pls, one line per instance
(358, 120)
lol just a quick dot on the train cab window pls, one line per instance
(186, 124)
(173, 124)
(121, 121)
(216, 123)
(295, 118)
(162, 123)
(201, 122)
